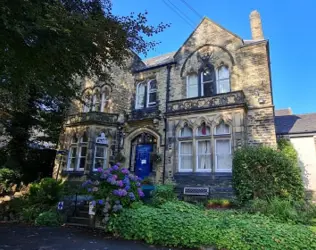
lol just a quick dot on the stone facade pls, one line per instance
(245, 105)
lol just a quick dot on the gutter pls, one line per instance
(154, 67)
(165, 121)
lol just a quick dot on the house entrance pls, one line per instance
(141, 154)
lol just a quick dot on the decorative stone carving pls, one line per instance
(211, 102)
(91, 117)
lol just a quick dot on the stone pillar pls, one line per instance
(256, 26)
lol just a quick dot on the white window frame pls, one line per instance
(150, 91)
(95, 101)
(203, 82)
(137, 95)
(217, 169)
(208, 154)
(197, 85)
(179, 167)
(87, 104)
(105, 158)
(80, 156)
(229, 129)
(218, 80)
(70, 157)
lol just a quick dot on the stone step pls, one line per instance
(79, 220)
(76, 225)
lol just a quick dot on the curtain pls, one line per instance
(186, 155)
(204, 155)
(223, 83)
(223, 155)
(192, 86)
(140, 96)
(222, 129)
(203, 131)
(186, 132)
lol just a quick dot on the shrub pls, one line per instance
(262, 172)
(47, 192)
(7, 178)
(284, 210)
(162, 194)
(286, 147)
(184, 225)
(48, 218)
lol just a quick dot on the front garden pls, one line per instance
(269, 212)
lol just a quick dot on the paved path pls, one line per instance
(21, 237)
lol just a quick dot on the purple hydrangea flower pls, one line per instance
(89, 189)
(100, 170)
(120, 192)
(124, 171)
(93, 203)
(131, 196)
(114, 176)
(100, 202)
(140, 192)
(120, 183)
(137, 184)
(127, 187)
(115, 167)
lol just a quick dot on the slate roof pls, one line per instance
(295, 124)
(159, 60)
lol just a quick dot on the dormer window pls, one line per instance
(146, 94)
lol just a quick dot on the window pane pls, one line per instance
(204, 147)
(223, 86)
(72, 163)
(152, 97)
(208, 75)
(203, 131)
(99, 152)
(192, 86)
(186, 132)
(99, 163)
(223, 155)
(140, 95)
(223, 73)
(208, 89)
(152, 85)
(83, 151)
(221, 129)
(73, 152)
(82, 162)
(204, 162)
(204, 155)
(186, 148)
(186, 162)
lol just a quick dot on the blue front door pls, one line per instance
(143, 164)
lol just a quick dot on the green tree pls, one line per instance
(45, 47)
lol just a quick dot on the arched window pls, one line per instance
(97, 101)
(208, 81)
(192, 86)
(104, 100)
(146, 94)
(223, 157)
(140, 95)
(203, 148)
(223, 83)
(185, 149)
(87, 103)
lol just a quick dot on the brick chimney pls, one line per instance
(256, 26)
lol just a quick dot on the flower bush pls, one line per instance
(114, 188)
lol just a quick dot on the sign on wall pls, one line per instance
(102, 139)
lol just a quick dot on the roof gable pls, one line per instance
(218, 35)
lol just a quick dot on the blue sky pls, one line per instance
(289, 25)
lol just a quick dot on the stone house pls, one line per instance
(301, 131)
(178, 116)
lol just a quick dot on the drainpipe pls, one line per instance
(165, 120)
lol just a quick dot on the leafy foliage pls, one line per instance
(48, 219)
(162, 194)
(46, 47)
(185, 225)
(46, 193)
(284, 210)
(7, 177)
(262, 172)
(286, 147)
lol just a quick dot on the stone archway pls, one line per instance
(141, 136)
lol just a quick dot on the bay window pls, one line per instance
(223, 157)
(100, 157)
(77, 153)
(185, 149)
